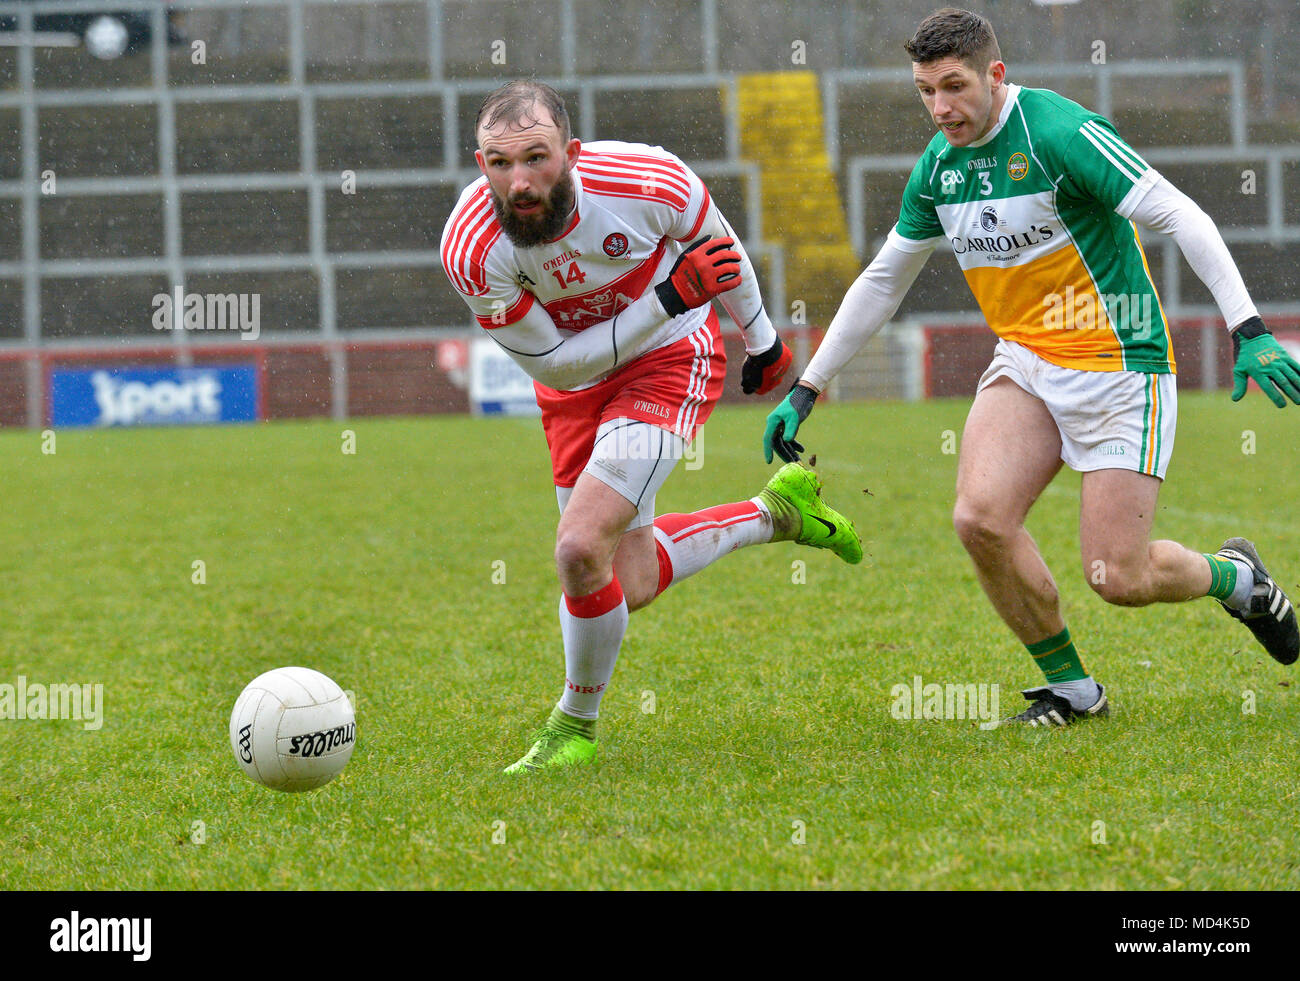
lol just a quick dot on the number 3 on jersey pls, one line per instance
(986, 186)
(573, 275)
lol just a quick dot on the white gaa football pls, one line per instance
(292, 729)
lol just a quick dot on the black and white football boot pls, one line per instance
(1051, 710)
(1270, 616)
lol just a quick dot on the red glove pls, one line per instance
(709, 266)
(763, 372)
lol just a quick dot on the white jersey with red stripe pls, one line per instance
(635, 208)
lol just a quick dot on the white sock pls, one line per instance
(592, 627)
(1081, 694)
(1240, 598)
(687, 543)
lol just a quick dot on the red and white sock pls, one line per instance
(687, 543)
(593, 628)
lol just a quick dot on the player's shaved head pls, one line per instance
(956, 33)
(516, 104)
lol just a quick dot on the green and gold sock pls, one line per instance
(1057, 658)
(1223, 577)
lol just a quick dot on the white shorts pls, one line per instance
(634, 458)
(1108, 420)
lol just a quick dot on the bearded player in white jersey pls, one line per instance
(593, 267)
(1040, 198)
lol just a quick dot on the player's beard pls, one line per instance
(526, 231)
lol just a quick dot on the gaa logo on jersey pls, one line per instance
(989, 219)
(615, 245)
(949, 180)
(1018, 166)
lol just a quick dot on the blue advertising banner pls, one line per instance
(153, 396)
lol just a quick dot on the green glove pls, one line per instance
(784, 422)
(1258, 355)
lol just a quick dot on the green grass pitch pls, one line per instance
(747, 740)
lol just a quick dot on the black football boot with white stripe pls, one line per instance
(1051, 710)
(1270, 616)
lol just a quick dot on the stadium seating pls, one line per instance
(245, 201)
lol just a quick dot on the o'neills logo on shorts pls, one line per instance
(655, 410)
(615, 245)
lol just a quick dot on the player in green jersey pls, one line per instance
(1040, 200)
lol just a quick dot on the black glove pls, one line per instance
(763, 372)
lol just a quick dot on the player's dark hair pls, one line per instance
(516, 103)
(953, 32)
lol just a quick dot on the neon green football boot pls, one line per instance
(563, 741)
(793, 498)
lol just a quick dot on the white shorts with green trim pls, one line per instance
(1108, 420)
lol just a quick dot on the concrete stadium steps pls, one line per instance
(781, 129)
(379, 133)
(365, 298)
(244, 222)
(100, 307)
(98, 141)
(819, 275)
(101, 225)
(396, 297)
(251, 137)
(11, 309)
(11, 154)
(11, 216)
(687, 121)
(388, 217)
(353, 134)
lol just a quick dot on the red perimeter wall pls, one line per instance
(420, 377)
(384, 378)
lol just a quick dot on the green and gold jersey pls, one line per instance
(1036, 214)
